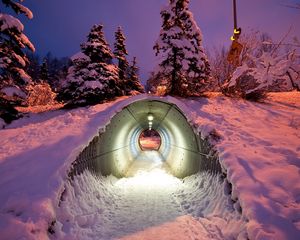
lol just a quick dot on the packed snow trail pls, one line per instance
(152, 204)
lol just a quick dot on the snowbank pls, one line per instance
(35, 155)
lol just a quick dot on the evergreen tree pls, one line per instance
(96, 47)
(33, 67)
(56, 70)
(44, 73)
(92, 77)
(120, 53)
(184, 67)
(13, 78)
(133, 78)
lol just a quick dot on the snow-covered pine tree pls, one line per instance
(13, 78)
(128, 74)
(133, 77)
(92, 77)
(101, 56)
(96, 47)
(183, 66)
(120, 53)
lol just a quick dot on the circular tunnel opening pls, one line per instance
(151, 124)
(149, 140)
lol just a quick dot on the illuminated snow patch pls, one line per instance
(147, 205)
(156, 178)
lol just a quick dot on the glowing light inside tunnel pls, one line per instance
(150, 117)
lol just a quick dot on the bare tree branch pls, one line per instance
(282, 40)
(283, 44)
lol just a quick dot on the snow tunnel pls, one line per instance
(116, 148)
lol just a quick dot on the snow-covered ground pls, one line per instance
(150, 205)
(259, 149)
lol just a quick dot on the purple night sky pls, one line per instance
(60, 26)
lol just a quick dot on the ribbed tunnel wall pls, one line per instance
(114, 150)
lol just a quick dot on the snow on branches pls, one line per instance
(120, 53)
(12, 41)
(96, 47)
(92, 77)
(13, 60)
(266, 66)
(179, 49)
(133, 81)
(18, 8)
(128, 74)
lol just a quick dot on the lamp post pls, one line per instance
(234, 14)
(236, 47)
(236, 30)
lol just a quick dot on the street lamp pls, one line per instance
(236, 47)
(236, 31)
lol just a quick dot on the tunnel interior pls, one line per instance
(115, 149)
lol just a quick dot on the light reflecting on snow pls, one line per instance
(149, 205)
(145, 162)
(154, 178)
(149, 171)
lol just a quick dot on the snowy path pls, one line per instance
(153, 212)
(145, 203)
(145, 206)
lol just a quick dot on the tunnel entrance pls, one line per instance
(149, 140)
(121, 143)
